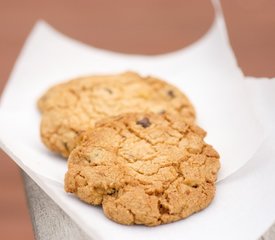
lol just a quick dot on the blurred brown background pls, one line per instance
(131, 26)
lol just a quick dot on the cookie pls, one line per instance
(144, 168)
(73, 107)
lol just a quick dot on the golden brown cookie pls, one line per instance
(144, 168)
(70, 108)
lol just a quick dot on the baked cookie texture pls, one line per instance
(144, 168)
(73, 107)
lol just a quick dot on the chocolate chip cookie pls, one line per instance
(144, 168)
(73, 107)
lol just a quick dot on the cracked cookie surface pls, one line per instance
(73, 107)
(144, 168)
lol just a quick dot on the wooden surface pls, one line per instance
(14, 219)
(133, 26)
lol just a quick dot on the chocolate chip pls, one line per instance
(163, 209)
(162, 112)
(145, 122)
(108, 90)
(66, 146)
(171, 94)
